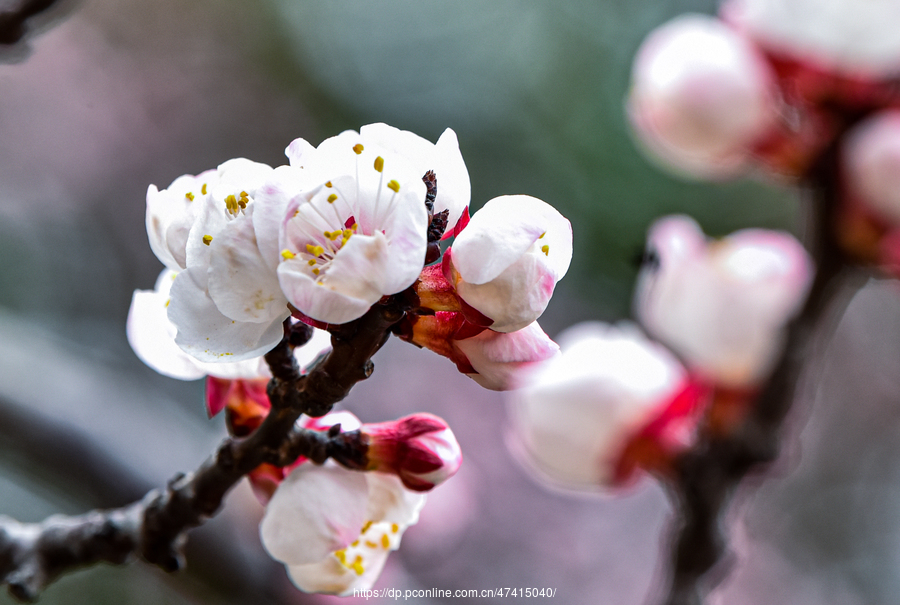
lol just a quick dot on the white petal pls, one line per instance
(454, 186)
(269, 209)
(205, 333)
(503, 230)
(241, 174)
(317, 301)
(315, 511)
(389, 501)
(297, 151)
(516, 297)
(502, 359)
(241, 283)
(210, 220)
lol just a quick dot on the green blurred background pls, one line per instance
(115, 96)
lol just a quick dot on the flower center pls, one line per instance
(372, 538)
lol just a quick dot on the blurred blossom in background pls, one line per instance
(116, 96)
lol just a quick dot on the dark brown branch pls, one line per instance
(154, 529)
(707, 475)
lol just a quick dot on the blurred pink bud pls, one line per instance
(420, 449)
(856, 39)
(871, 162)
(246, 401)
(612, 402)
(701, 96)
(721, 305)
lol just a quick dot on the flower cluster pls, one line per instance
(781, 85)
(252, 253)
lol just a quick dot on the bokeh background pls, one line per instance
(110, 97)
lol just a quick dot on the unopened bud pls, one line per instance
(420, 449)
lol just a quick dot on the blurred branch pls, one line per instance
(155, 528)
(14, 14)
(707, 475)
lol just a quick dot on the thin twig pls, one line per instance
(155, 528)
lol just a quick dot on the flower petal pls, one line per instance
(241, 283)
(503, 359)
(205, 333)
(316, 511)
(270, 207)
(389, 501)
(330, 577)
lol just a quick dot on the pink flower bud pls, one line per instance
(871, 162)
(701, 96)
(420, 449)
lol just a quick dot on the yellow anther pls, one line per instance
(245, 195)
(231, 204)
(167, 302)
(207, 239)
(354, 543)
(328, 184)
(366, 527)
(341, 555)
(332, 198)
(287, 254)
(385, 541)
(189, 196)
(315, 250)
(358, 566)
(358, 148)
(379, 163)
(347, 233)
(242, 202)
(394, 185)
(203, 189)
(316, 271)
(545, 249)
(395, 528)
(311, 262)
(542, 235)
(371, 544)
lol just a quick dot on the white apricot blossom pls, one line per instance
(854, 38)
(227, 304)
(722, 305)
(334, 528)
(152, 337)
(701, 96)
(505, 263)
(577, 412)
(360, 232)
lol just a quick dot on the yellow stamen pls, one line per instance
(231, 204)
(316, 271)
(341, 555)
(167, 302)
(545, 249)
(203, 189)
(207, 239)
(371, 544)
(542, 235)
(287, 254)
(189, 196)
(379, 163)
(315, 250)
(311, 262)
(366, 527)
(332, 198)
(385, 541)
(328, 184)
(357, 566)
(394, 185)
(354, 543)
(358, 148)
(395, 528)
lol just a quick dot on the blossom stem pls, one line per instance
(706, 476)
(155, 527)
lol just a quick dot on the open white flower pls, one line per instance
(227, 303)
(152, 336)
(334, 528)
(722, 305)
(701, 96)
(507, 260)
(575, 417)
(360, 232)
